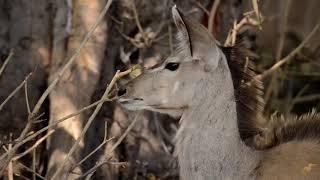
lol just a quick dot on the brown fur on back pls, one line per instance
(294, 160)
(293, 148)
(248, 97)
(291, 145)
(281, 130)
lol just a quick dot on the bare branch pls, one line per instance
(36, 109)
(306, 98)
(212, 15)
(53, 125)
(92, 170)
(15, 91)
(6, 61)
(231, 39)
(105, 140)
(136, 18)
(202, 8)
(10, 167)
(26, 96)
(280, 47)
(91, 153)
(34, 151)
(290, 56)
(117, 76)
(39, 141)
(30, 170)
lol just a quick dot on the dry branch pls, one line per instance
(212, 15)
(30, 170)
(39, 141)
(116, 77)
(92, 170)
(231, 39)
(280, 47)
(92, 152)
(4, 162)
(26, 97)
(53, 125)
(6, 62)
(202, 8)
(306, 98)
(15, 91)
(290, 56)
(10, 166)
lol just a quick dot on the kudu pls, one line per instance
(207, 86)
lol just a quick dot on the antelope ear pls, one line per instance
(195, 41)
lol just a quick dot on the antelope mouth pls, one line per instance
(133, 104)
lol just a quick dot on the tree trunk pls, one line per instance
(77, 85)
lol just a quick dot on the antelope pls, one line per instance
(207, 87)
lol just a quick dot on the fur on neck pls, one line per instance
(208, 141)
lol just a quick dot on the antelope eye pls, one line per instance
(172, 66)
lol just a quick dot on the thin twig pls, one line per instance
(117, 76)
(280, 48)
(212, 15)
(34, 177)
(290, 56)
(53, 125)
(306, 98)
(39, 141)
(92, 170)
(86, 127)
(136, 18)
(202, 8)
(26, 96)
(105, 140)
(92, 152)
(21, 176)
(54, 83)
(32, 171)
(125, 133)
(15, 91)
(6, 61)
(73, 58)
(291, 105)
(231, 39)
(10, 166)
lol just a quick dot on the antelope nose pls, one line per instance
(122, 91)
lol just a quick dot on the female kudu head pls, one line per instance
(172, 86)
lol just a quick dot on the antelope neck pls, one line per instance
(208, 141)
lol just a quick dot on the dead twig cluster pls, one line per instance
(232, 36)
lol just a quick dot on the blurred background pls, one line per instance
(39, 37)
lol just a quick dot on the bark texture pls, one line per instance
(77, 85)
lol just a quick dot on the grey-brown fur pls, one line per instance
(281, 130)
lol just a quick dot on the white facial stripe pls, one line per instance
(175, 87)
(164, 101)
